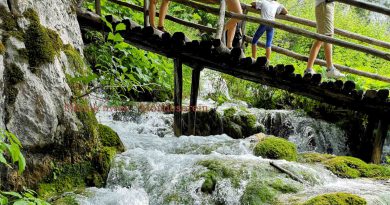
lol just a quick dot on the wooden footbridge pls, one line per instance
(211, 54)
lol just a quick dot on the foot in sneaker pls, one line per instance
(334, 73)
(310, 71)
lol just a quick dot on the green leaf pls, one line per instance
(3, 200)
(118, 38)
(111, 36)
(11, 193)
(21, 202)
(21, 163)
(121, 45)
(14, 151)
(13, 138)
(109, 25)
(120, 27)
(2, 159)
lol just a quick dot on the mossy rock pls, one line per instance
(282, 186)
(67, 200)
(233, 130)
(313, 157)
(257, 192)
(9, 22)
(110, 138)
(217, 171)
(339, 198)
(230, 112)
(13, 74)
(75, 60)
(351, 167)
(276, 148)
(41, 43)
(2, 48)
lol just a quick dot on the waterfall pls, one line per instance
(158, 168)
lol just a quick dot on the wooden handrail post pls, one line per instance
(98, 7)
(193, 100)
(221, 20)
(243, 29)
(146, 13)
(177, 98)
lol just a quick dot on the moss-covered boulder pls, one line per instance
(351, 167)
(109, 138)
(314, 157)
(256, 192)
(336, 199)
(240, 123)
(276, 148)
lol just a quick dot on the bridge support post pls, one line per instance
(375, 136)
(98, 8)
(146, 13)
(177, 98)
(193, 99)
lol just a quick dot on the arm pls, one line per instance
(284, 11)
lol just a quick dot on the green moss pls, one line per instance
(282, 186)
(103, 161)
(13, 74)
(9, 22)
(42, 44)
(87, 116)
(276, 148)
(248, 120)
(65, 177)
(67, 200)
(313, 157)
(75, 60)
(230, 112)
(256, 192)
(2, 48)
(350, 167)
(110, 138)
(217, 171)
(336, 199)
(31, 15)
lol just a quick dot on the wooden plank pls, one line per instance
(98, 7)
(178, 91)
(337, 31)
(221, 20)
(193, 100)
(367, 6)
(146, 13)
(277, 49)
(291, 29)
(320, 93)
(378, 140)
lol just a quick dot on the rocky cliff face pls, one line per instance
(40, 46)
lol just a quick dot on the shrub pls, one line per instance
(336, 199)
(276, 148)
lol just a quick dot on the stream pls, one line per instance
(158, 168)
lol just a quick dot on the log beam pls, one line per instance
(193, 100)
(178, 93)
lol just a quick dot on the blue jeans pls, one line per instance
(260, 31)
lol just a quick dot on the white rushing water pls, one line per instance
(157, 168)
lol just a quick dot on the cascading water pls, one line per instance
(157, 168)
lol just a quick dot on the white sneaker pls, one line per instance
(309, 71)
(334, 73)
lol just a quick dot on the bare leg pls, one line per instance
(268, 53)
(254, 48)
(328, 55)
(230, 27)
(163, 12)
(313, 53)
(152, 12)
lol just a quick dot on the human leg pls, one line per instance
(230, 26)
(313, 55)
(260, 31)
(268, 45)
(152, 12)
(163, 13)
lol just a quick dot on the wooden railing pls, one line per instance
(219, 12)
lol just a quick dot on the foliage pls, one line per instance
(10, 144)
(338, 198)
(350, 167)
(276, 148)
(28, 197)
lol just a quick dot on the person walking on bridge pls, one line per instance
(269, 9)
(162, 14)
(324, 10)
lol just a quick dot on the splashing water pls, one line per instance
(157, 168)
